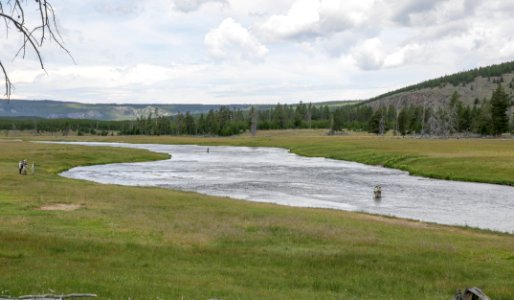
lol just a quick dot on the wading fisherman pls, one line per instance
(377, 191)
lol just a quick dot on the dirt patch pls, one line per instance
(61, 207)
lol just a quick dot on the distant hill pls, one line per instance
(473, 84)
(73, 110)
(50, 109)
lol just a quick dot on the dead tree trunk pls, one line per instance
(253, 125)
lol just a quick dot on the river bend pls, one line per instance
(274, 175)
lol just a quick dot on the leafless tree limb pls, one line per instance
(33, 36)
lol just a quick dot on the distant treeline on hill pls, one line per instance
(224, 121)
(455, 79)
(486, 117)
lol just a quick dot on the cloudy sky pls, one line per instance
(258, 51)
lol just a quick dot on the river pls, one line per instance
(277, 176)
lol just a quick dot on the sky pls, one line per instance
(257, 51)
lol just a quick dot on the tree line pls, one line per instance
(224, 121)
(485, 117)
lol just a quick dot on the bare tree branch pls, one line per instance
(8, 84)
(33, 38)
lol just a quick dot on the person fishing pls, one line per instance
(377, 191)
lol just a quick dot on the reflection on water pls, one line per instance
(277, 176)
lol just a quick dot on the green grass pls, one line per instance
(143, 243)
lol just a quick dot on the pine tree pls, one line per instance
(374, 122)
(499, 106)
(482, 121)
(402, 122)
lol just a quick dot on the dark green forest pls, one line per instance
(484, 117)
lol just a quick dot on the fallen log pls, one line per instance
(473, 293)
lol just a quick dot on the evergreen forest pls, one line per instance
(491, 116)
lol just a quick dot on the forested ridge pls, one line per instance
(455, 79)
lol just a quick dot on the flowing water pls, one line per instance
(277, 176)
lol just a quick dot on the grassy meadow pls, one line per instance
(146, 243)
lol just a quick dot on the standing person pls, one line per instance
(24, 166)
(20, 166)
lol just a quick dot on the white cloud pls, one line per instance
(338, 15)
(404, 55)
(301, 19)
(407, 12)
(369, 55)
(313, 18)
(373, 54)
(230, 40)
(192, 5)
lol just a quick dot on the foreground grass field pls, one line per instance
(143, 243)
